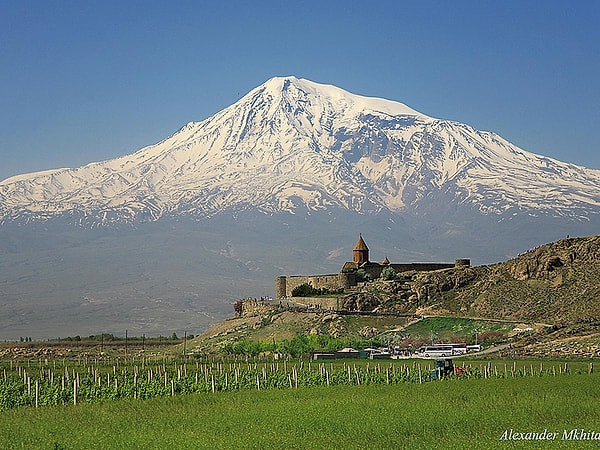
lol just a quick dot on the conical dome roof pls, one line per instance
(360, 244)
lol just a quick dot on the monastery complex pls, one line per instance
(348, 277)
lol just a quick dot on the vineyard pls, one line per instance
(44, 384)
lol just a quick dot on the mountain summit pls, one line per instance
(294, 145)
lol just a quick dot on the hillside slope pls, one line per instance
(554, 289)
(557, 283)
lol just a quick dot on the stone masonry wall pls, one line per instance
(375, 269)
(332, 303)
(285, 285)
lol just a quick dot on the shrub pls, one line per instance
(388, 273)
(489, 337)
(362, 275)
(306, 290)
(238, 307)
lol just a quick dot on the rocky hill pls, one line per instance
(557, 283)
(553, 289)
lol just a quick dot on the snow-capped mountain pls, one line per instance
(294, 144)
(280, 182)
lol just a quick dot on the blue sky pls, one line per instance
(84, 81)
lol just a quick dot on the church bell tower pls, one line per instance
(360, 252)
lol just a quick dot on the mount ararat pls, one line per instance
(281, 182)
(293, 145)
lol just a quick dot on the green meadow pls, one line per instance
(453, 413)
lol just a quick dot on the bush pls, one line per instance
(490, 337)
(306, 290)
(243, 347)
(388, 274)
(362, 275)
(238, 307)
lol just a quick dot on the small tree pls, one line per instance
(238, 307)
(388, 273)
(304, 290)
(362, 275)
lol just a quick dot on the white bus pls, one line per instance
(459, 349)
(441, 350)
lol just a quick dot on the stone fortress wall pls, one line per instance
(285, 285)
(346, 279)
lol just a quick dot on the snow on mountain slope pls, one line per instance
(293, 144)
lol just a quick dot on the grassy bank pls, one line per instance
(471, 413)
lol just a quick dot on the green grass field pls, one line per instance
(455, 413)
